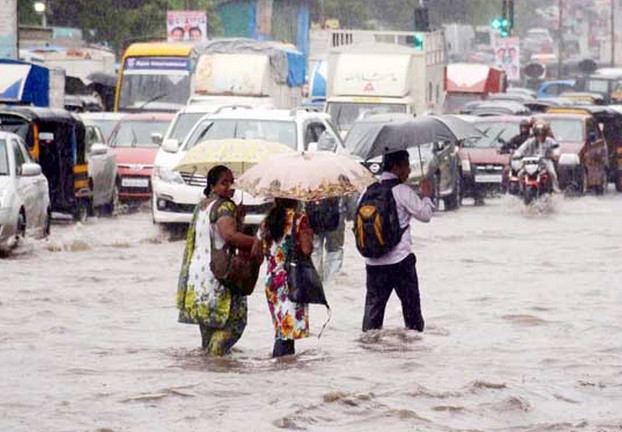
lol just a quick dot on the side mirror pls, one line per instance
(99, 149)
(592, 137)
(312, 147)
(438, 146)
(170, 145)
(156, 138)
(30, 169)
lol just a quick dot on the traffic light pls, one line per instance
(418, 42)
(502, 25)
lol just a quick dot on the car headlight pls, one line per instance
(374, 168)
(516, 164)
(167, 175)
(466, 165)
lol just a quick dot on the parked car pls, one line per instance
(495, 108)
(135, 141)
(584, 160)
(102, 170)
(178, 193)
(437, 162)
(24, 194)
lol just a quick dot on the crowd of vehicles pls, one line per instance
(171, 97)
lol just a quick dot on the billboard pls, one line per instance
(507, 56)
(186, 26)
(8, 29)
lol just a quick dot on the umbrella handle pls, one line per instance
(421, 162)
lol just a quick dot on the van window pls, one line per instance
(19, 157)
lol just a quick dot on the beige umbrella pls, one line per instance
(237, 154)
(305, 176)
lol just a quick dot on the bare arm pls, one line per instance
(305, 241)
(228, 229)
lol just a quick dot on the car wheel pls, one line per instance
(453, 201)
(436, 197)
(112, 206)
(48, 223)
(20, 230)
(81, 212)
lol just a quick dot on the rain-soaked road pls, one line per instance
(524, 334)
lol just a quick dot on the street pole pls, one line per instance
(613, 33)
(560, 41)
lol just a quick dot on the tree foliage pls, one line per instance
(117, 22)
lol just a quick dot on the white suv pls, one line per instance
(175, 195)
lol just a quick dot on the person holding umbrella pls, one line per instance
(299, 177)
(390, 262)
(201, 298)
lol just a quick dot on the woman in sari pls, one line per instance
(201, 298)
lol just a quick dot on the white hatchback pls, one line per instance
(24, 194)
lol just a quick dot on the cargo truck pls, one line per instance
(468, 82)
(388, 72)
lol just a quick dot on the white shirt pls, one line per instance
(409, 206)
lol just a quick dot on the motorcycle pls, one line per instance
(535, 181)
(513, 180)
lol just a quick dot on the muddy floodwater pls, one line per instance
(524, 333)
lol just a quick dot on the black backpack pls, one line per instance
(323, 215)
(376, 225)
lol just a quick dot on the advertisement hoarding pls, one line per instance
(507, 56)
(186, 26)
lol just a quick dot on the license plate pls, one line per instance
(135, 182)
(488, 178)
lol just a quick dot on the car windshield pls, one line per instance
(269, 130)
(137, 133)
(567, 130)
(597, 85)
(492, 129)
(106, 126)
(455, 102)
(344, 114)
(4, 158)
(14, 124)
(183, 124)
(150, 91)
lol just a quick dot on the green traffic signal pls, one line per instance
(496, 23)
(418, 42)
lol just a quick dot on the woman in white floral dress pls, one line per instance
(201, 298)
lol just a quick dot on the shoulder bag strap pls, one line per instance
(292, 240)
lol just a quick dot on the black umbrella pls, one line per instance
(392, 137)
(103, 78)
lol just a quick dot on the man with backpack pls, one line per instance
(382, 233)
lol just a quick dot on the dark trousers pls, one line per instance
(381, 280)
(283, 347)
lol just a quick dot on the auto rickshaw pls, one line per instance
(56, 140)
(609, 119)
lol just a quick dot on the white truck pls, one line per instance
(270, 73)
(384, 72)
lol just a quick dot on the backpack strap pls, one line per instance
(391, 183)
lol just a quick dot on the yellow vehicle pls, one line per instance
(154, 77)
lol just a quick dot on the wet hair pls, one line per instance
(275, 221)
(393, 160)
(213, 176)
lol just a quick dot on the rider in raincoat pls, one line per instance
(540, 145)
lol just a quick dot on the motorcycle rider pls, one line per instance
(523, 135)
(540, 145)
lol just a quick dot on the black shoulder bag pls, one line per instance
(303, 281)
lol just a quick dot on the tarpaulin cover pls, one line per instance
(287, 64)
(24, 83)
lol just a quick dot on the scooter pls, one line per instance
(535, 181)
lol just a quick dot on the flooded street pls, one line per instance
(524, 333)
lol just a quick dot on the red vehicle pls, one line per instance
(135, 141)
(484, 168)
(467, 82)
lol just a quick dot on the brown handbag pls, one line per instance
(233, 267)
